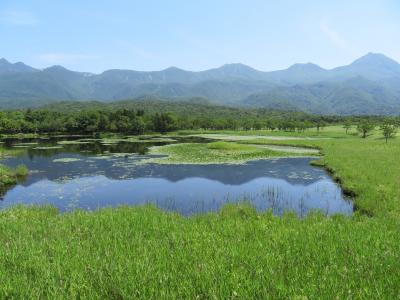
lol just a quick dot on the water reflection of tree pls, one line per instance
(5, 187)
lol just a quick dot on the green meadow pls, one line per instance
(238, 253)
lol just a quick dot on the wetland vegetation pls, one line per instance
(143, 252)
(212, 153)
(234, 252)
(186, 174)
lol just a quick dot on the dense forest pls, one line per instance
(138, 117)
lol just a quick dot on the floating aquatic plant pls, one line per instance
(73, 142)
(26, 144)
(66, 159)
(212, 153)
(47, 148)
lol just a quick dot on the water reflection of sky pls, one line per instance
(97, 181)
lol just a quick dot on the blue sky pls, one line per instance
(88, 35)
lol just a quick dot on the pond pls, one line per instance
(89, 174)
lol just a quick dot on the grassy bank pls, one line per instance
(9, 176)
(368, 168)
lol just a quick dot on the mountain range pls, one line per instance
(369, 85)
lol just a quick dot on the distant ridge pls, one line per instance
(369, 85)
(8, 68)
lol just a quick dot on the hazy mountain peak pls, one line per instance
(373, 66)
(62, 70)
(237, 67)
(236, 71)
(173, 69)
(21, 64)
(56, 68)
(375, 59)
(19, 67)
(306, 67)
(4, 61)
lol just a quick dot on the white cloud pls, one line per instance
(64, 58)
(18, 18)
(335, 38)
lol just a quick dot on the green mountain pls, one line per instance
(369, 85)
(355, 96)
(371, 66)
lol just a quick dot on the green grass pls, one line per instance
(142, 252)
(21, 171)
(10, 177)
(226, 146)
(212, 153)
(7, 176)
(368, 168)
(331, 131)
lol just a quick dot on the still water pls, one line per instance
(99, 174)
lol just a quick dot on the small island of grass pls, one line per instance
(212, 153)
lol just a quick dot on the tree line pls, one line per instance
(139, 121)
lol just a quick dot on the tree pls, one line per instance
(347, 126)
(247, 124)
(257, 125)
(389, 130)
(138, 126)
(320, 124)
(164, 122)
(301, 126)
(124, 124)
(364, 127)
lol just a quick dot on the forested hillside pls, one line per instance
(370, 85)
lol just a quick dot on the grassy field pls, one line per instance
(144, 253)
(238, 253)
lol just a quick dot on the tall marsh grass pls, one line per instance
(142, 252)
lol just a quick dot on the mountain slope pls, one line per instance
(9, 68)
(371, 84)
(355, 96)
(371, 66)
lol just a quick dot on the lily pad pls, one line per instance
(48, 148)
(26, 144)
(66, 159)
(72, 142)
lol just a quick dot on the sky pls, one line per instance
(96, 35)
